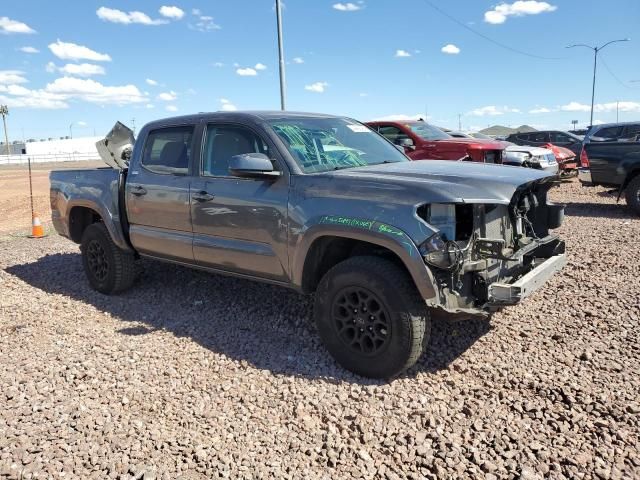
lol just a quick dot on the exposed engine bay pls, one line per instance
(482, 250)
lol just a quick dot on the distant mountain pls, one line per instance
(500, 130)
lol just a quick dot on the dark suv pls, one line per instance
(629, 131)
(540, 139)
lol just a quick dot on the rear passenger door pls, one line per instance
(239, 224)
(157, 195)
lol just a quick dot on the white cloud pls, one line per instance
(204, 23)
(317, 87)
(21, 97)
(149, 105)
(51, 67)
(227, 106)
(246, 72)
(218, 64)
(81, 123)
(94, 92)
(260, 66)
(8, 26)
(82, 69)
(168, 96)
(520, 8)
(298, 60)
(151, 82)
(12, 77)
(348, 7)
(402, 53)
(399, 117)
(29, 50)
(196, 11)
(72, 51)
(118, 16)
(171, 108)
(451, 49)
(623, 106)
(492, 110)
(363, 94)
(540, 110)
(173, 12)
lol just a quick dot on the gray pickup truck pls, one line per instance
(321, 204)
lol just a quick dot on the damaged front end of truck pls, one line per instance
(485, 255)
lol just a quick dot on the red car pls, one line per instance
(422, 141)
(567, 160)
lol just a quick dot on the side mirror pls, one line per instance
(252, 165)
(405, 143)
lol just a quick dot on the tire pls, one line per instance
(108, 268)
(632, 194)
(391, 336)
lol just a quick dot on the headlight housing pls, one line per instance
(437, 252)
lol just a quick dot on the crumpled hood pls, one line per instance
(430, 181)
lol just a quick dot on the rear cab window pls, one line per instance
(167, 151)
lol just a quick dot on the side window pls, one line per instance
(609, 132)
(524, 137)
(539, 137)
(223, 142)
(393, 134)
(559, 137)
(168, 150)
(632, 131)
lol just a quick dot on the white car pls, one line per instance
(532, 157)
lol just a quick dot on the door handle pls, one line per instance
(202, 196)
(138, 190)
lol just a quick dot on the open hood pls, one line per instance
(115, 148)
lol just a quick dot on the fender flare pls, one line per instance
(110, 219)
(397, 242)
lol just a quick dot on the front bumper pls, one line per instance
(501, 294)
(584, 175)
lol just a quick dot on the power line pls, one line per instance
(489, 39)
(615, 76)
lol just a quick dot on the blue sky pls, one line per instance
(90, 63)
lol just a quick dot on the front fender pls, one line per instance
(370, 231)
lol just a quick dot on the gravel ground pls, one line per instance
(196, 376)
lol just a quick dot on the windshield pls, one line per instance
(428, 132)
(322, 144)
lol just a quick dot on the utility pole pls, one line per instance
(133, 124)
(71, 130)
(595, 65)
(459, 122)
(281, 56)
(4, 111)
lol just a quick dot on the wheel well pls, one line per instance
(630, 176)
(79, 219)
(326, 252)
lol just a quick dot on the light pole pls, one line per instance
(595, 64)
(4, 111)
(280, 55)
(71, 129)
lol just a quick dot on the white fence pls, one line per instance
(48, 157)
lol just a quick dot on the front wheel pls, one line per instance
(632, 194)
(108, 268)
(370, 317)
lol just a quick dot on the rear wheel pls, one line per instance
(370, 317)
(632, 194)
(108, 268)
